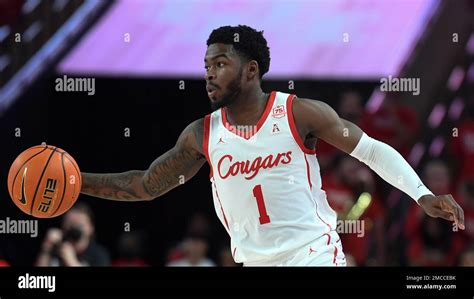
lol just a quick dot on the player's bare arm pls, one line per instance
(165, 173)
(315, 119)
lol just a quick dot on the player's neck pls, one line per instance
(248, 108)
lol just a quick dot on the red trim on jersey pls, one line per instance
(308, 172)
(330, 228)
(205, 141)
(248, 135)
(329, 238)
(222, 209)
(335, 254)
(311, 186)
(294, 130)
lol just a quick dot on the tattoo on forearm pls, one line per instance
(163, 175)
(118, 186)
(166, 171)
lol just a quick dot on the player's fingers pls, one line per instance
(451, 208)
(443, 214)
(458, 212)
(461, 218)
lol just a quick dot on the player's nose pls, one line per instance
(210, 74)
(209, 77)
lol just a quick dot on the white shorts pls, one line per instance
(325, 251)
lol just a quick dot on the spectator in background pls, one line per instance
(466, 199)
(198, 225)
(351, 106)
(462, 145)
(431, 241)
(194, 248)
(130, 249)
(393, 123)
(466, 259)
(73, 245)
(343, 187)
(435, 245)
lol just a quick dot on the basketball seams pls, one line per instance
(23, 165)
(40, 179)
(75, 167)
(64, 185)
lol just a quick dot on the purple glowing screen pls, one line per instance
(307, 38)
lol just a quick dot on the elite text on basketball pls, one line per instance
(49, 192)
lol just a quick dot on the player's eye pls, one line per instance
(220, 64)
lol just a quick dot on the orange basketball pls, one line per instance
(44, 181)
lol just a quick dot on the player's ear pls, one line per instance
(252, 69)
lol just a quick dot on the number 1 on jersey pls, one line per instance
(257, 192)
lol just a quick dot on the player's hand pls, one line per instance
(443, 206)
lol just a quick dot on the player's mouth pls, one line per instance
(211, 91)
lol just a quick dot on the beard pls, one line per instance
(233, 91)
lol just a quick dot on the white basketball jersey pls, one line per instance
(266, 184)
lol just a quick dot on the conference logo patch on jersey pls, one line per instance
(279, 111)
(226, 168)
(275, 129)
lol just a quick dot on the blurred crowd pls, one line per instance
(74, 244)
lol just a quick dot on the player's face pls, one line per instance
(223, 75)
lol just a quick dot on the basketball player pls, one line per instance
(264, 172)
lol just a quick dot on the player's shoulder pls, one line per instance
(192, 135)
(309, 109)
(311, 104)
(197, 126)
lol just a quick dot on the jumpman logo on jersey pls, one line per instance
(220, 140)
(311, 250)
